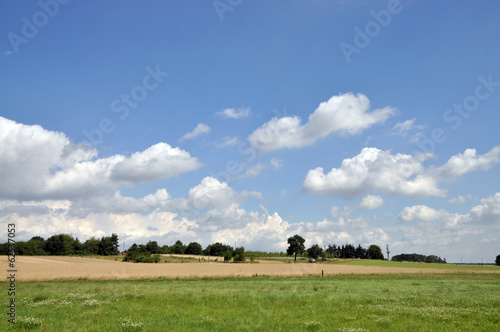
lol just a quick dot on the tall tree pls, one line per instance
(109, 245)
(374, 252)
(349, 251)
(498, 260)
(296, 246)
(360, 252)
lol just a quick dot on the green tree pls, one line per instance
(91, 246)
(61, 244)
(108, 245)
(296, 246)
(227, 256)
(217, 249)
(178, 248)
(497, 261)
(152, 247)
(194, 248)
(239, 254)
(78, 247)
(360, 252)
(314, 252)
(374, 252)
(36, 245)
(349, 251)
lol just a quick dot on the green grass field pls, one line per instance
(368, 262)
(420, 302)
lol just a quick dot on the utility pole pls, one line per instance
(388, 252)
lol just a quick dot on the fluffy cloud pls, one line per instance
(42, 164)
(444, 232)
(488, 211)
(160, 161)
(466, 162)
(373, 170)
(422, 213)
(400, 175)
(199, 130)
(346, 114)
(233, 113)
(371, 202)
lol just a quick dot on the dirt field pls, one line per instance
(50, 268)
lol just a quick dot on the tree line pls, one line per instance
(64, 244)
(150, 252)
(297, 247)
(418, 258)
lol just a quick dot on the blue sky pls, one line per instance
(343, 121)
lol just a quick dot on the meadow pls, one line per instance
(372, 302)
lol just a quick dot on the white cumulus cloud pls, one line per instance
(40, 164)
(346, 114)
(373, 170)
(371, 202)
(468, 161)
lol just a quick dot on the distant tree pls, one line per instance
(133, 247)
(315, 251)
(227, 256)
(349, 251)
(166, 249)
(217, 249)
(152, 247)
(178, 248)
(91, 246)
(296, 246)
(78, 247)
(360, 252)
(418, 258)
(61, 244)
(239, 254)
(497, 261)
(194, 248)
(35, 246)
(331, 250)
(374, 252)
(108, 245)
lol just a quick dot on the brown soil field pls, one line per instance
(32, 268)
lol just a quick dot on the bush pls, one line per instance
(239, 258)
(227, 256)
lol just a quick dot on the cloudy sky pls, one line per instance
(353, 121)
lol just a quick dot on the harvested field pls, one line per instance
(33, 268)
